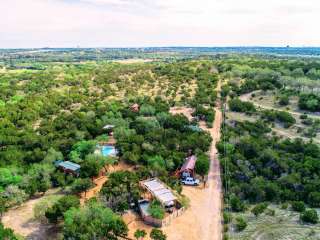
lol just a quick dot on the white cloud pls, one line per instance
(37, 23)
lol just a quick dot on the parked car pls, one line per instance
(190, 181)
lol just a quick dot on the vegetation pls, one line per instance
(94, 221)
(57, 211)
(239, 106)
(241, 224)
(157, 234)
(140, 234)
(156, 210)
(6, 233)
(310, 216)
(54, 112)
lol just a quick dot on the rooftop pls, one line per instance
(69, 165)
(189, 164)
(159, 191)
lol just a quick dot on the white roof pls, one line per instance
(159, 191)
(108, 126)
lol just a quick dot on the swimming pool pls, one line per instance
(108, 150)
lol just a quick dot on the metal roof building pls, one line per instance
(159, 191)
(68, 166)
(189, 164)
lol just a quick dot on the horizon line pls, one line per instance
(168, 46)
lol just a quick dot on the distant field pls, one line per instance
(284, 225)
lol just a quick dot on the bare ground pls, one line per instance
(21, 220)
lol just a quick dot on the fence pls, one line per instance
(163, 222)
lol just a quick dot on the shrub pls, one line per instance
(227, 217)
(236, 204)
(225, 236)
(241, 224)
(298, 206)
(309, 216)
(259, 209)
(157, 234)
(156, 210)
(284, 100)
(225, 228)
(139, 234)
(237, 105)
(314, 199)
(286, 118)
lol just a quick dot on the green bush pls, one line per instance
(157, 234)
(237, 105)
(236, 204)
(284, 100)
(259, 209)
(298, 206)
(156, 210)
(227, 217)
(309, 216)
(241, 224)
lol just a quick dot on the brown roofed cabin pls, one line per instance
(187, 169)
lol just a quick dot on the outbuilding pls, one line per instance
(159, 191)
(187, 169)
(68, 167)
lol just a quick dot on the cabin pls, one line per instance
(187, 169)
(68, 167)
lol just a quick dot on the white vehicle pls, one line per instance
(190, 181)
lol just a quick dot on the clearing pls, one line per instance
(284, 225)
(21, 219)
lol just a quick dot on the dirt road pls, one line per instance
(203, 219)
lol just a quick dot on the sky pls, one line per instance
(151, 23)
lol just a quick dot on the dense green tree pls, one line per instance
(81, 185)
(157, 234)
(202, 165)
(56, 212)
(94, 221)
(121, 189)
(140, 234)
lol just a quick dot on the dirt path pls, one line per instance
(203, 219)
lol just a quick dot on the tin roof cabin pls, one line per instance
(68, 167)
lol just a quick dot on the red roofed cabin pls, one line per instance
(187, 169)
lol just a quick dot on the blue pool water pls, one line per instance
(108, 150)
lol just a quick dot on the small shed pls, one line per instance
(159, 191)
(109, 129)
(68, 167)
(187, 169)
(135, 107)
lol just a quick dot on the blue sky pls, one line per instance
(137, 23)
